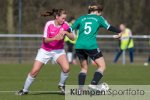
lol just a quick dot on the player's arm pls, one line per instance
(57, 37)
(47, 40)
(116, 30)
(111, 28)
(70, 35)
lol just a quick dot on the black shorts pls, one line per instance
(93, 54)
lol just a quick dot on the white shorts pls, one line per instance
(44, 56)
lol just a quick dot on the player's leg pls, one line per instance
(63, 62)
(117, 56)
(31, 77)
(84, 66)
(100, 70)
(61, 59)
(33, 73)
(74, 58)
(39, 61)
(83, 73)
(147, 61)
(70, 52)
(97, 57)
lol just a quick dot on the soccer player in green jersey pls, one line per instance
(86, 45)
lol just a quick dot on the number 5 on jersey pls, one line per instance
(87, 27)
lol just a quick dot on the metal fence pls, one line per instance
(15, 48)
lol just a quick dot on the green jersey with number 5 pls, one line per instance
(88, 26)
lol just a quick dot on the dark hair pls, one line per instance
(95, 7)
(71, 18)
(54, 12)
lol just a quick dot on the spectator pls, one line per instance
(126, 42)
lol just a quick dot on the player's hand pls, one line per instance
(117, 36)
(62, 32)
(59, 36)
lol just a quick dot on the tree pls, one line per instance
(10, 16)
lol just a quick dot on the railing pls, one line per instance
(22, 48)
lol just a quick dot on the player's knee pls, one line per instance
(84, 67)
(66, 70)
(84, 71)
(102, 68)
(33, 73)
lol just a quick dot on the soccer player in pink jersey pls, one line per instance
(52, 47)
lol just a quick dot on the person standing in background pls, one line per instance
(70, 44)
(126, 42)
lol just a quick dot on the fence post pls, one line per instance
(124, 57)
(20, 30)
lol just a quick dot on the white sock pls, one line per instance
(28, 82)
(69, 56)
(63, 78)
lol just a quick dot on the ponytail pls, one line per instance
(54, 12)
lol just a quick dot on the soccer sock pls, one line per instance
(97, 76)
(63, 78)
(81, 79)
(28, 82)
(69, 55)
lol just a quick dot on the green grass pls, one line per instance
(12, 77)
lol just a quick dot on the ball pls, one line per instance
(104, 87)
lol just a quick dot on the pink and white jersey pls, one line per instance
(50, 31)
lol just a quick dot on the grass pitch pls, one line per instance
(12, 77)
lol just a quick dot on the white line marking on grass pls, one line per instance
(32, 91)
(6, 91)
(42, 91)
